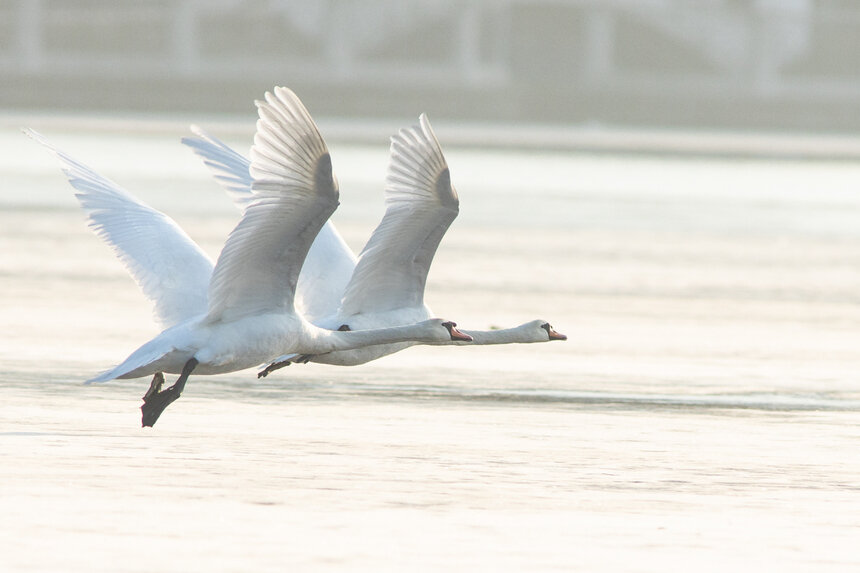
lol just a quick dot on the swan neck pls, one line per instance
(350, 340)
(500, 336)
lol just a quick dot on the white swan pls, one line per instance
(386, 286)
(248, 316)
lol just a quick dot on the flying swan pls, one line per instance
(245, 314)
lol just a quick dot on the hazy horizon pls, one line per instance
(760, 65)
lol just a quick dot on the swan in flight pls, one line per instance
(385, 287)
(244, 314)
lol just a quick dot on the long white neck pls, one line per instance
(421, 332)
(517, 334)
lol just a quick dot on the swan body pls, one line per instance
(223, 347)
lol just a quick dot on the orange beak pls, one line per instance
(553, 335)
(456, 334)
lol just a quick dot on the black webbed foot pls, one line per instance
(154, 405)
(156, 400)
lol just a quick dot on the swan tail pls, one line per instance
(150, 358)
(104, 376)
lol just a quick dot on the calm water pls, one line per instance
(704, 414)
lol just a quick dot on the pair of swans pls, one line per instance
(242, 311)
(385, 285)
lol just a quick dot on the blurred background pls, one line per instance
(735, 64)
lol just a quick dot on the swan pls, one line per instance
(248, 307)
(385, 286)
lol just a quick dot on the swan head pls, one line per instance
(551, 333)
(542, 331)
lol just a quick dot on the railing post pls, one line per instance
(185, 38)
(30, 35)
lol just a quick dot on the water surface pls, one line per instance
(703, 415)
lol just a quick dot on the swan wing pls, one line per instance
(229, 167)
(170, 268)
(420, 206)
(325, 274)
(294, 194)
(330, 262)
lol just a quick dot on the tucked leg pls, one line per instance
(301, 359)
(272, 367)
(156, 400)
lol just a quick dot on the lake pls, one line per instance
(703, 415)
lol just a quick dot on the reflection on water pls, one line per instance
(703, 413)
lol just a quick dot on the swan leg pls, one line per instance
(156, 400)
(272, 367)
(301, 359)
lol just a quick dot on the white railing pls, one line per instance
(338, 41)
(743, 46)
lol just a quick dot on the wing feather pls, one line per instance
(294, 194)
(230, 168)
(330, 262)
(421, 204)
(170, 268)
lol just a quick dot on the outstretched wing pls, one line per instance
(421, 204)
(170, 268)
(294, 194)
(229, 167)
(330, 262)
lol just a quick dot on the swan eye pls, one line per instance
(546, 326)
